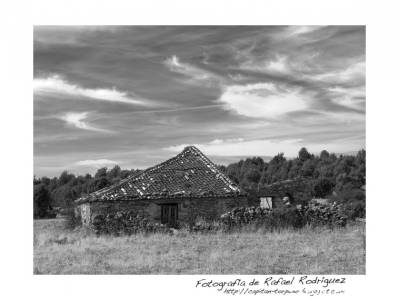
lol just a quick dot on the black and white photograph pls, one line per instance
(199, 149)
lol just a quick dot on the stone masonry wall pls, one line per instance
(188, 208)
(209, 208)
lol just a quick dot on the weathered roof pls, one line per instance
(189, 174)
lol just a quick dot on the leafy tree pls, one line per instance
(273, 168)
(324, 155)
(102, 172)
(322, 187)
(308, 168)
(115, 172)
(253, 176)
(65, 178)
(36, 180)
(41, 201)
(295, 169)
(304, 155)
(100, 183)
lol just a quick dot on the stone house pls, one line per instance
(178, 190)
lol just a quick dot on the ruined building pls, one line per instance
(180, 189)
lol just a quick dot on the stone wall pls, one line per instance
(188, 208)
(208, 208)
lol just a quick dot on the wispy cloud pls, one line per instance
(194, 73)
(278, 64)
(247, 90)
(350, 97)
(299, 30)
(264, 147)
(57, 85)
(241, 147)
(221, 141)
(354, 72)
(77, 120)
(262, 100)
(179, 109)
(96, 162)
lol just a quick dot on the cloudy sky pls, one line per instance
(135, 96)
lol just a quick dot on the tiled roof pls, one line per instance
(189, 174)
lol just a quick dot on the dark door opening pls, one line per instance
(169, 214)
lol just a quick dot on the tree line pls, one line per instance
(60, 192)
(339, 177)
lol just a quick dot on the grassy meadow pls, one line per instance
(305, 251)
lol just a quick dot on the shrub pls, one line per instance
(353, 202)
(316, 214)
(354, 209)
(262, 217)
(322, 187)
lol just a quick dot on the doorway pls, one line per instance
(169, 214)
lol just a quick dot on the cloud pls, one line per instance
(76, 119)
(349, 97)
(278, 65)
(220, 141)
(238, 147)
(56, 85)
(264, 147)
(228, 89)
(179, 109)
(96, 162)
(354, 72)
(300, 30)
(262, 100)
(175, 65)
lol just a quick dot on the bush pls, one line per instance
(262, 217)
(355, 209)
(353, 202)
(322, 187)
(317, 214)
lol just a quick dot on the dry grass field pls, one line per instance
(305, 251)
